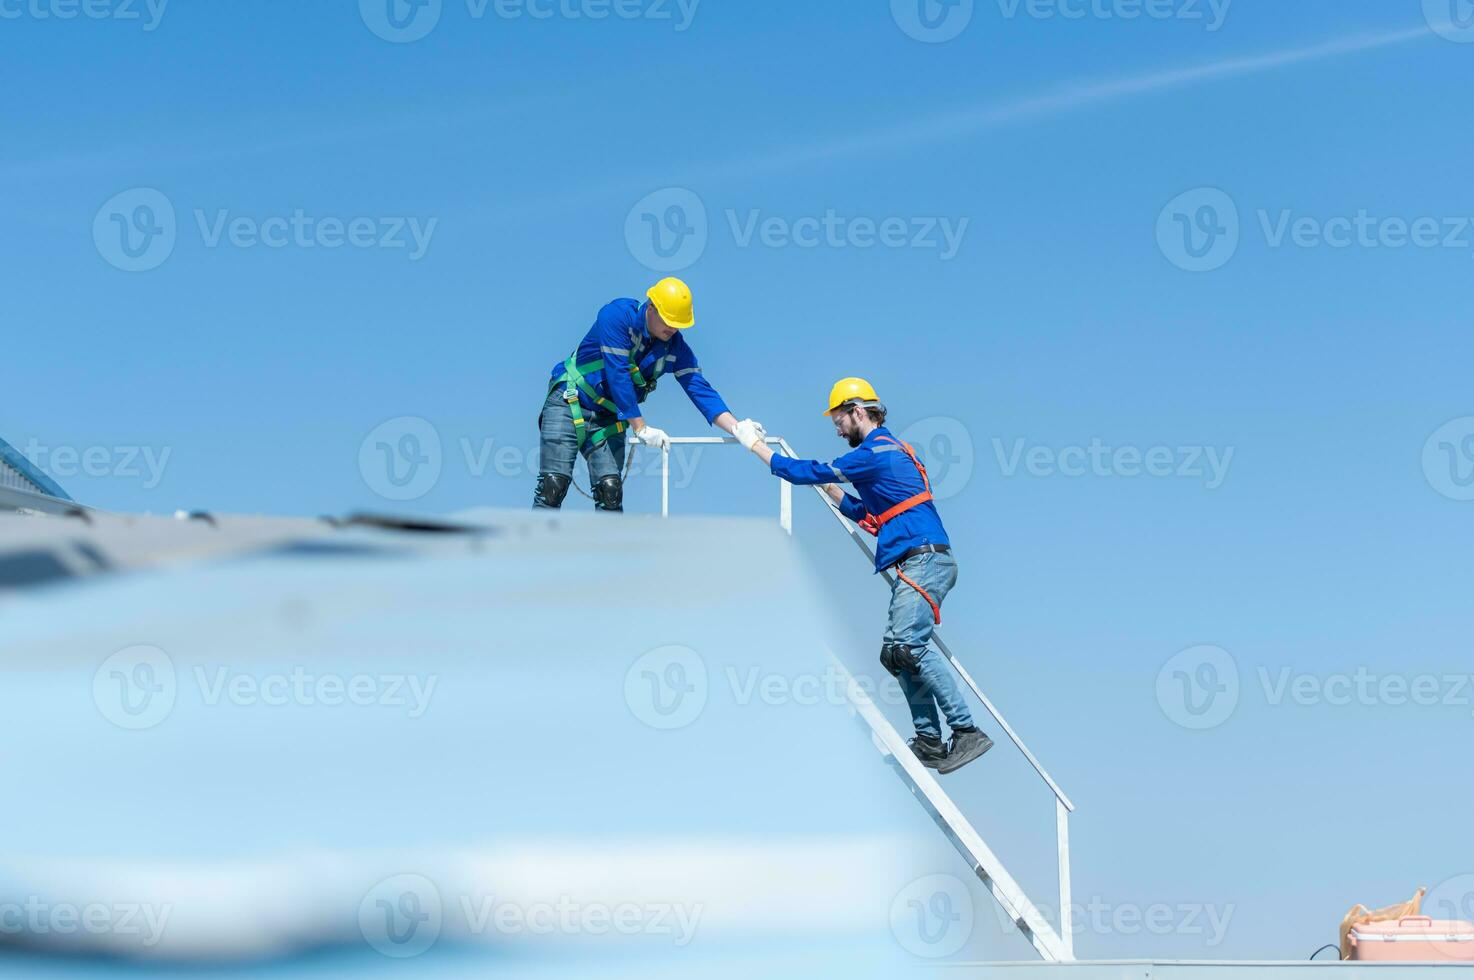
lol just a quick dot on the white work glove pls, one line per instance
(653, 437)
(749, 433)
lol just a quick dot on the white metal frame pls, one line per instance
(12, 499)
(1057, 947)
(785, 489)
(924, 786)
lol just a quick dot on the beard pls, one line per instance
(854, 439)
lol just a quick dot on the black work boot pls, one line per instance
(967, 745)
(929, 749)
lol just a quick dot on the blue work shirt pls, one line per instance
(884, 476)
(619, 336)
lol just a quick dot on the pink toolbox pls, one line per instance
(1414, 938)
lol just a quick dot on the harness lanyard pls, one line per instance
(873, 524)
(936, 609)
(629, 460)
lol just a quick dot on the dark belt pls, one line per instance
(925, 549)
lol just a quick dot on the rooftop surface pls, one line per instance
(257, 735)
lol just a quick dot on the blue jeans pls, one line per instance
(931, 685)
(559, 446)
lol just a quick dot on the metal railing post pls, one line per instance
(1066, 913)
(785, 489)
(665, 482)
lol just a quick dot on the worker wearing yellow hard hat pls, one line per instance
(894, 503)
(595, 395)
(672, 300)
(851, 390)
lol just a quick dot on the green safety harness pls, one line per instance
(574, 382)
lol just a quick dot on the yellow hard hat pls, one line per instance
(672, 299)
(851, 390)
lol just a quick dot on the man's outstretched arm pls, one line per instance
(851, 507)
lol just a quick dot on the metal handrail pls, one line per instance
(1063, 805)
(864, 546)
(785, 489)
(923, 785)
(1013, 736)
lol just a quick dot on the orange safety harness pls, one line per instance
(873, 523)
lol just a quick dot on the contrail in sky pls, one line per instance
(1068, 97)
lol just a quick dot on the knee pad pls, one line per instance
(551, 489)
(609, 494)
(897, 657)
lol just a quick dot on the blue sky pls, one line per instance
(1290, 337)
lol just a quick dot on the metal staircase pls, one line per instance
(1054, 946)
